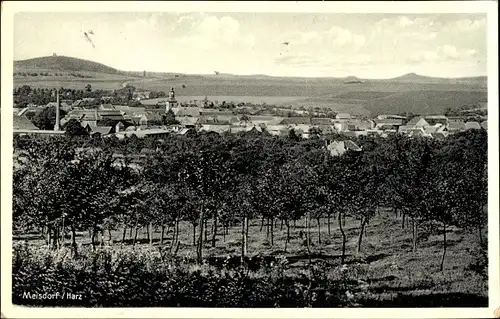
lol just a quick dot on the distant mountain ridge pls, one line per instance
(423, 78)
(64, 63)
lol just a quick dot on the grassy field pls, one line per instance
(370, 98)
(387, 271)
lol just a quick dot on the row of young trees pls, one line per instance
(65, 184)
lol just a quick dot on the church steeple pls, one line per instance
(172, 102)
(171, 94)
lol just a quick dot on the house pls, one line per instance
(77, 103)
(277, 130)
(386, 116)
(125, 109)
(218, 120)
(94, 117)
(246, 129)
(318, 121)
(187, 121)
(418, 132)
(186, 111)
(403, 129)
(353, 133)
(265, 120)
(337, 148)
(436, 119)
(343, 116)
(106, 107)
(387, 124)
(157, 132)
(51, 104)
(187, 132)
(296, 121)
(29, 109)
(21, 122)
(472, 125)
(101, 130)
(374, 132)
(432, 129)
(141, 95)
(151, 118)
(254, 129)
(215, 112)
(417, 122)
(119, 127)
(215, 128)
(456, 126)
(362, 125)
(324, 129)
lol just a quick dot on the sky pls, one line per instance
(319, 44)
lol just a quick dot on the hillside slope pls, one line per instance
(424, 102)
(63, 63)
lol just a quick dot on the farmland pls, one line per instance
(410, 93)
(252, 220)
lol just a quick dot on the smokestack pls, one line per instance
(56, 126)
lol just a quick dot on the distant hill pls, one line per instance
(63, 63)
(416, 78)
(353, 80)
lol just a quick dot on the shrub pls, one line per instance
(108, 278)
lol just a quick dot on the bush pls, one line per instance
(109, 278)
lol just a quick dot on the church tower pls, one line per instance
(171, 102)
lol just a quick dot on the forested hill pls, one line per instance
(64, 63)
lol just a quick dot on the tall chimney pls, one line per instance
(56, 126)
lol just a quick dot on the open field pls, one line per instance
(408, 93)
(387, 272)
(370, 98)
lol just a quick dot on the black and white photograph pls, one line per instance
(166, 156)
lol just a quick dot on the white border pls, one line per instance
(10, 8)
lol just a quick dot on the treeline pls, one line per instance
(25, 95)
(473, 111)
(76, 75)
(65, 185)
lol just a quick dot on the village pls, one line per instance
(149, 119)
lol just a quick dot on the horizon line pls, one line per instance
(267, 75)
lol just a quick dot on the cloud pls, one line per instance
(205, 32)
(333, 38)
(466, 25)
(299, 61)
(330, 61)
(441, 54)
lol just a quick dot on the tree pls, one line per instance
(169, 118)
(74, 128)
(45, 118)
(314, 131)
(245, 118)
